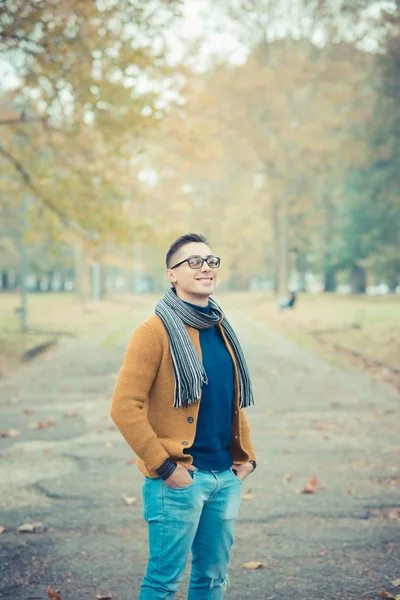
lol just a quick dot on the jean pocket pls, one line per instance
(235, 476)
(185, 487)
(146, 498)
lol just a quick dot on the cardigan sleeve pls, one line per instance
(139, 369)
(245, 435)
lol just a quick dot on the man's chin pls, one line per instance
(204, 293)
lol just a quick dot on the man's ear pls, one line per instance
(171, 276)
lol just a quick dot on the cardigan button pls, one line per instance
(190, 419)
(184, 443)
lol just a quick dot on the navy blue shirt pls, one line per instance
(210, 449)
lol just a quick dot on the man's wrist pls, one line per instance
(254, 464)
(166, 469)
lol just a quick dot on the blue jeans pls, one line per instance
(199, 518)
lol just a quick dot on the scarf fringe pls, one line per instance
(189, 372)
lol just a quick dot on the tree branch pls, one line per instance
(26, 178)
(20, 121)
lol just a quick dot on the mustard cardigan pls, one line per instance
(142, 404)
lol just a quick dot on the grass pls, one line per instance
(337, 328)
(49, 316)
(334, 326)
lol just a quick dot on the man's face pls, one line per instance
(192, 284)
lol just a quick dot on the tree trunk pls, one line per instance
(4, 280)
(328, 231)
(103, 280)
(282, 249)
(275, 221)
(330, 280)
(393, 283)
(358, 280)
(82, 272)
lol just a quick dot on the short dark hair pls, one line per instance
(182, 241)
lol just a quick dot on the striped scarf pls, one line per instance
(188, 368)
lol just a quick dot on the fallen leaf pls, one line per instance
(42, 424)
(351, 491)
(14, 433)
(286, 478)
(28, 411)
(252, 565)
(396, 582)
(52, 594)
(37, 527)
(394, 514)
(249, 496)
(311, 486)
(386, 594)
(106, 597)
(322, 553)
(320, 426)
(2, 529)
(129, 500)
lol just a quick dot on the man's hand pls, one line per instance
(242, 471)
(180, 477)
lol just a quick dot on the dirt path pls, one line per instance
(342, 542)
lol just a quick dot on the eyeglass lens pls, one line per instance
(196, 262)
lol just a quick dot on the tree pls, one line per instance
(80, 67)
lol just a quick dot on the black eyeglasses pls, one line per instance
(196, 262)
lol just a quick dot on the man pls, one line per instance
(179, 403)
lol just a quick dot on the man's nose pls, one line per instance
(205, 267)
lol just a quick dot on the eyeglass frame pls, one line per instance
(201, 258)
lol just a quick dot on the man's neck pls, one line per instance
(192, 299)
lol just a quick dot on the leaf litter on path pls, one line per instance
(10, 433)
(129, 500)
(252, 565)
(249, 495)
(52, 593)
(386, 594)
(311, 486)
(51, 422)
(36, 527)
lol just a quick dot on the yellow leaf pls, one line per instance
(129, 500)
(252, 565)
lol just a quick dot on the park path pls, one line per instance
(310, 419)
